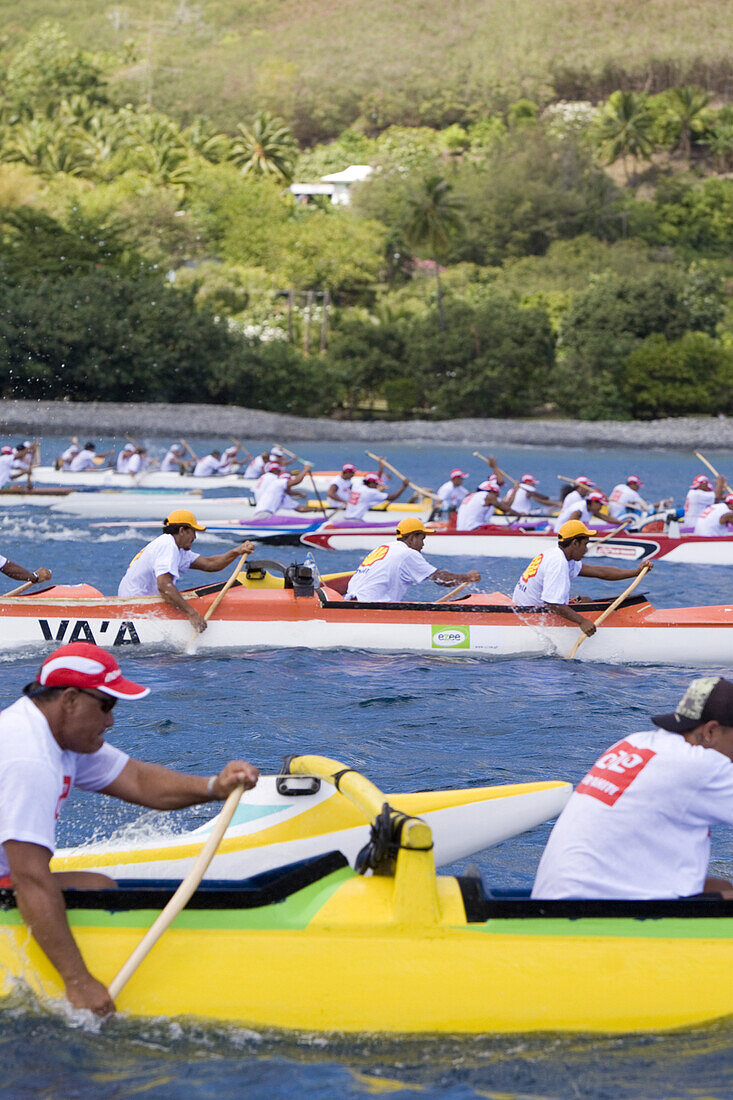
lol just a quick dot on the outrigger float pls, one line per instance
(268, 610)
(525, 542)
(316, 946)
(289, 817)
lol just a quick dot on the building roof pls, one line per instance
(353, 174)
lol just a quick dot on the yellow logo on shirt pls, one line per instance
(375, 555)
(532, 568)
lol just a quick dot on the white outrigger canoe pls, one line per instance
(259, 612)
(525, 543)
(107, 478)
(287, 818)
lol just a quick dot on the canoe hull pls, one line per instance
(484, 625)
(311, 964)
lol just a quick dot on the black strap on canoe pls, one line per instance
(379, 854)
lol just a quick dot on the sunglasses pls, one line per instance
(105, 704)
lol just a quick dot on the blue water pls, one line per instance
(408, 722)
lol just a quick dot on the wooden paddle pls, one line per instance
(503, 473)
(710, 467)
(181, 897)
(190, 449)
(453, 592)
(190, 648)
(17, 591)
(396, 472)
(612, 607)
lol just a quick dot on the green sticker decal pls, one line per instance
(451, 637)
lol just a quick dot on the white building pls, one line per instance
(337, 184)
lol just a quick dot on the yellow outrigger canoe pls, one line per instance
(316, 946)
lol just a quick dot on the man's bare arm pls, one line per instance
(161, 788)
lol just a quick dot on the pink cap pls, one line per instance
(273, 468)
(458, 473)
(348, 466)
(636, 480)
(583, 481)
(701, 480)
(83, 665)
(530, 479)
(492, 485)
(370, 475)
(598, 495)
(7, 451)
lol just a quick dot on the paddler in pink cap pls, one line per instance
(453, 492)
(370, 492)
(340, 488)
(52, 739)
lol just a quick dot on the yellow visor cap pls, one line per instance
(182, 515)
(409, 526)
(573, 529)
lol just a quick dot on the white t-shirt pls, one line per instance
(523, 501)
(160, 556)
(36, 775)
(135, 464)
(622, 498)
(68, 454)
(343, 487)
(6, 467)
(473, 512)
(708, 523)
(83, 461)
(208, 466)
(451, 495)
(546, 579)
(361, 499)
(638, 825)
(256, 467)
(169, 465)
(270, 492)
(573, 502)
(696, 501)
(387, 572)
(123, 461)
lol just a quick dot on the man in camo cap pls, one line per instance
(638, 824)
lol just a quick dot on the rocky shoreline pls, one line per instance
(115, 419)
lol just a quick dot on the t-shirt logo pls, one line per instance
(354, 497)
(615, 495)
(532, 568)
(614, 772)
(64, 793)
(376, 555)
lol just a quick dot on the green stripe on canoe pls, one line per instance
(296, 911)
(673, 928)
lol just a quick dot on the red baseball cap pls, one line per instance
(492, 485)
(701, 479)
(583, 481)
(348, 466)
(597, 495)
(530, 479)
(636, 480)
(458, 473)
(371, 476)
(86, 666)
(272, 467)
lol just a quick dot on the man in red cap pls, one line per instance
(370, 492)
(700, 496)
(52, 739)
(339, 490)
(453, 492)
(574, 505)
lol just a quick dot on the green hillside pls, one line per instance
(323, 64)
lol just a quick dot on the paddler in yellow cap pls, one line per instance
(155, 569)
(388, 571)
(546, 580)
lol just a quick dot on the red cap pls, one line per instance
(86, 666)
(371, 476)
(700, 480)
(583, 481)
(636, 480)
(458, 473)
(7, 451)
(728, 498)
(348, 466)
(273, 468)
(492, 485)
(598, 495)
(530, 479)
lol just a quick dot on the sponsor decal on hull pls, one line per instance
(451, 637)
(98, 632)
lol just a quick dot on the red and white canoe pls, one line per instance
(516, 542)
(258, 614)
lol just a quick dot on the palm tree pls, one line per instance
(203, 139)
(626, 128)
(719, 141)
(265, 148)
(685, 107)
(433, 219)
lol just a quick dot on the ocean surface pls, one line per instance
(407, 722)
